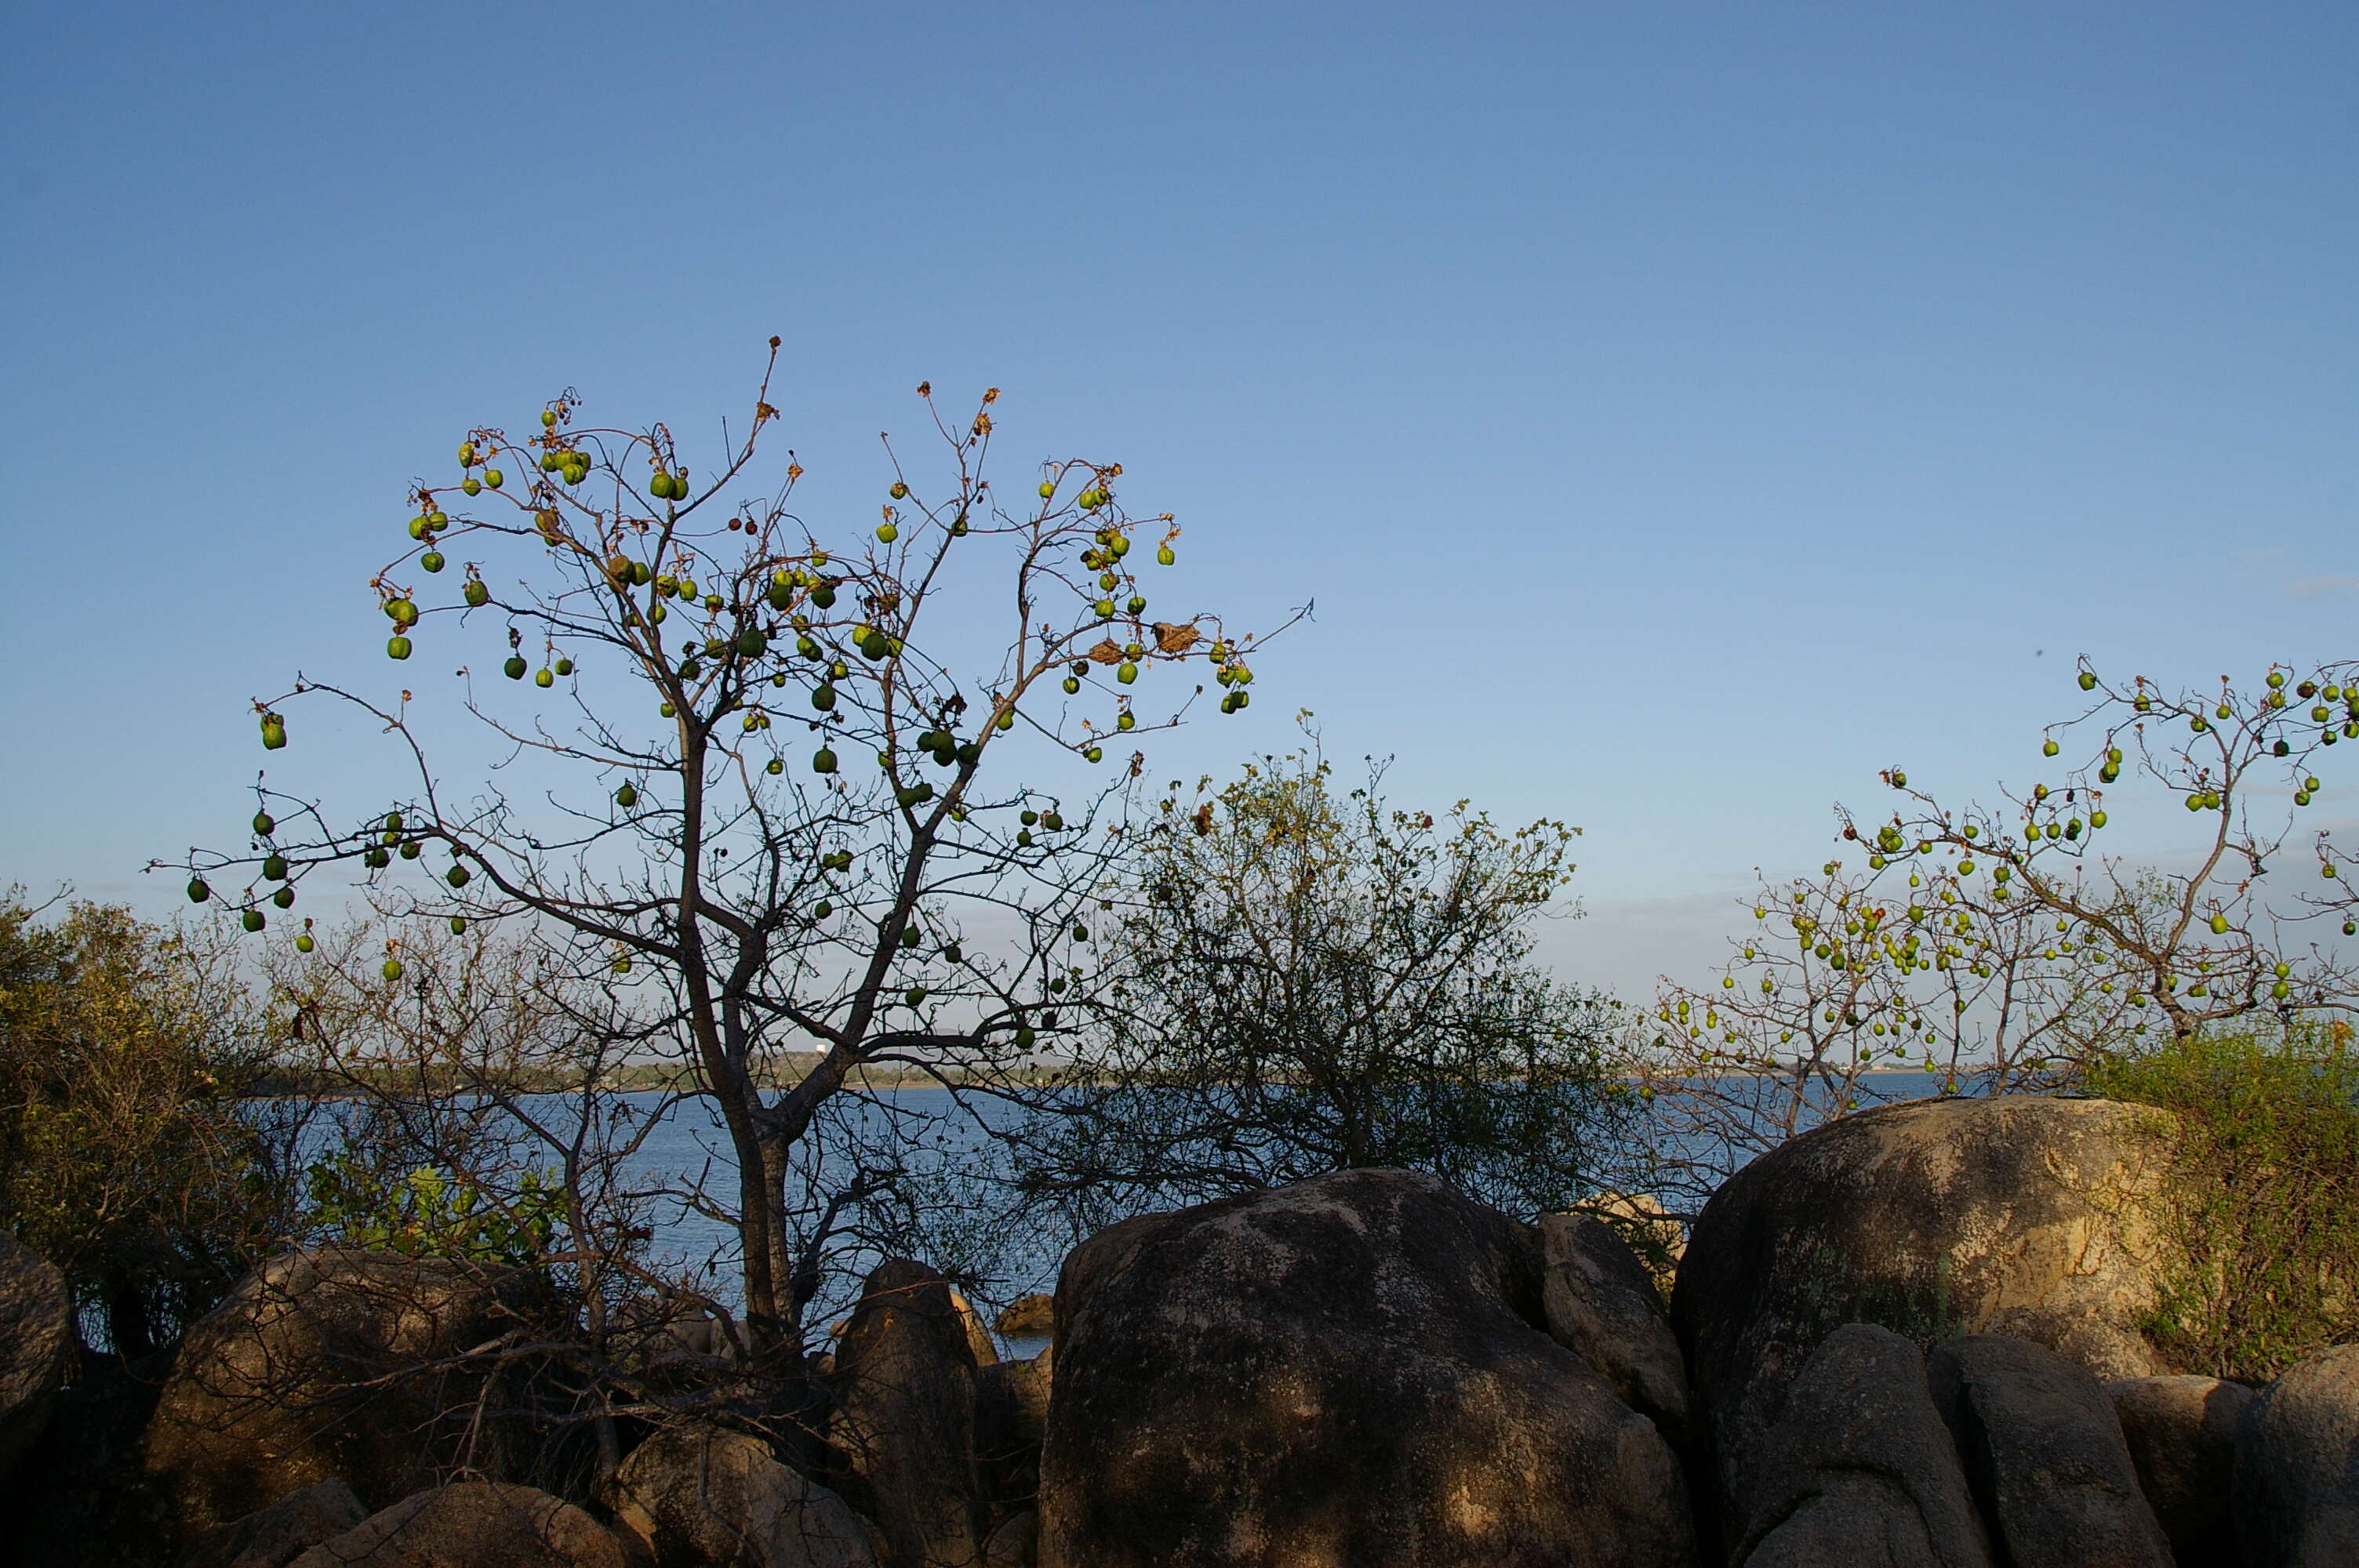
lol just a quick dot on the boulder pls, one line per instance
(37, 1343)
(473, 1524)
(2044, 1454)
(2296, 1491)
(341, 1363)
(2181, 1433)
(1353, 1370)
(275, 1536)
(2019, 1215)
(1016, 1544)
(1860, 1469)
(1029, 1318)
(1601, 1305)
(904, 1422)
(81, 1499)
(978, 1337)
(702, 1497)
(1011, 1418)
(1653, 1233)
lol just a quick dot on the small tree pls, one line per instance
(661, 633)
(2001, 943)
(1303, 981)
(124, 1157)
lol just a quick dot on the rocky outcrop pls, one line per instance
(2181, 1433)
(473, 1523)
(2043, 1452)
(2296, 1492)
(707, 1498)
(1353, 1369)
(36, 1340)
(1016, 1544)
(1860, 1469)
(275, 1536)
(1939, 1217)
(904, 1426)
(374, 1368)
(1601, 1305)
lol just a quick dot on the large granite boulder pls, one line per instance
(2044, 1454)
(275, 1536)
(2181, 1433)
(1860, 1470)
(2023, 1216)
(379, 1368)
(1353, 1369)
(1602, 1305)
(707, 1498)
(473, 1524)
(1029, 1318)
(37, 1341)
(904, 1381)
(2296, 1493)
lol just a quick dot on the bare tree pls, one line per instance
(662, 631)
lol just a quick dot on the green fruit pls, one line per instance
(1125, 672)
(2050, 749)
(911, 937)
(1125, 721)
(821, 910)
(198, 890)
(458, 876)
(823, 760)
(660, 485)
(412, 849)
(431, 560)
(475, 593)
(284, 898)
(495, 478)
(899, 491)
(823, 698)
(417, 527)
(397, 647)
(274, 732)
(1052, 822)
(2088, 680)
(1095, 753)
(775, 765)
(1023, 1038)
(264, 824)
(780, 596)
(472, 485)
(565, 666)
(1163, 556)
(876, 644)
(1048, 488)
(752, 644)
(457, 925)
(515, 667)
(392, 970)
(544, 679)
(376, 859)
(886, 532)
(1072, 686)
(273, 867)
(400, 611)
(824, 597)
(303, 943)
(2219, 926)
(252, 920)
(627, 798)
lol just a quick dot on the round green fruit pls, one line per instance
(1163, 556)
(495, 478)
(775, 765)
(264, 824)
(2088, 680)
(1048, 488)
(1072, 686)
(823, 760)
(411, 850)
(198, 890)
(824, 597)
(515, 667)
(458, 876)
(627, 798)
(274, 732)
(273, 867)
(252, 920)
(284, 898)
(2050, 749)
(397, 647)
(431, 560)
(475, 593)
(303, 943)
(544, 679)
(751, 643)
(392, 970)
(565, 666)
(876, 644)
(823, 698)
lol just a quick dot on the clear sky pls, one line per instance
(1677, 413)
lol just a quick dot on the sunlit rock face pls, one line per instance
(1355, 1369)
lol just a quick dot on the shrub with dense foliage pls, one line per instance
(2261, 1219)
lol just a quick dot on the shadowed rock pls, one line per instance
(37, 1336)
(1860, 1470)
(369, 1367)
(1353, 1369)
(1601, 1305)
(2044, 1454)
(904, 1424)
(2181, 1433)
(2296, 1492)
(473, 1523)
(706, 1498)
(275, 1536)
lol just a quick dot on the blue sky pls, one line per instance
(1676, 413)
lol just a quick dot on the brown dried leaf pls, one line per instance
(1176, 639)
(1107, 653)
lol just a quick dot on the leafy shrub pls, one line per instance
(427, 1214)
(2261, 1219)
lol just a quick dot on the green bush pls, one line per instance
(2261, 1219)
